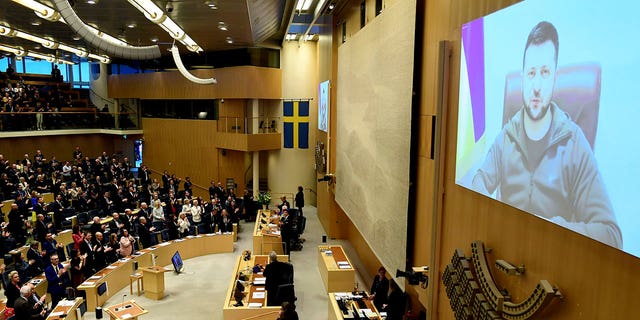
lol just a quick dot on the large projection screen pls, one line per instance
(581, 172)
(375, 75)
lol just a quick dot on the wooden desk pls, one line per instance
(126, 310)
(336, 314)
(153, 282)
(266, 234)
(117, 274)
(262, 311)
(66, 309)
(335, 269)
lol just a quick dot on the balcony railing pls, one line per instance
(246, 125)
(79, 118)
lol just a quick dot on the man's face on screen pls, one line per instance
(538, 79)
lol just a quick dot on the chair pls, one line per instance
(48, 197)
(6, 207)
(287, 293)
(577, 92)
(69, 247)
(83, 218)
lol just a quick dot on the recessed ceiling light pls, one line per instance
(154, 39)
(331, 6)
(131, 25)
(92, 1)
(37, 47)
(229, 40)
(36, 22)
(76, 37)
(222, 26)
(211, 4)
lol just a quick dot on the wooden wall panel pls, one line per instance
(235, 82)
(61, 146)
(597, 281)
(184, 147)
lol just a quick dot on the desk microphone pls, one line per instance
(123, 296)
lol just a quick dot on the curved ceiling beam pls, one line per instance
(176, 58)
(113, 48)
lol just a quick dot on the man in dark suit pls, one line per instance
(277, 273)
(57, 207)
(226, 223)
(86, 249)
(286, 230)
(144, 232)
(57, 279)
(42, 228)
(25, 308)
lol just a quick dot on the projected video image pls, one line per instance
(546, 115)
(323, 106)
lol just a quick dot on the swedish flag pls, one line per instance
(296, 124)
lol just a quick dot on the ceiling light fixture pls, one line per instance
(18, 51)
(92, 1)
(222, 26)
(131, 25)
(303, 5)
(211, 4)
(290, 36)
(40, 9)
(309, 37)
(76, 37)
(36, 22)
(157, 16)
(103, 59)
(154, 39)
(229, 40)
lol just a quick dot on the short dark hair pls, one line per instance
(544, 31)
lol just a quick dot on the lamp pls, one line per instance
(176, 58)
(40, 9)
(48, 43)
(103, 59)
(152, 12)
(18, 51)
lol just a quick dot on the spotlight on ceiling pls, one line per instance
(131, 25)
(92, 1)
(229, 40)
(222, 26)
(211, 4)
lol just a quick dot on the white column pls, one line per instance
(254, 116)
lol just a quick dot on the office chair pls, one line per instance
(287, 293)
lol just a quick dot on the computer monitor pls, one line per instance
(178, 266)
(102, 288)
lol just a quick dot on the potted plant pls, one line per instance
(264, 198)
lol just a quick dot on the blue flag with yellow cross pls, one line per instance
(296, 124)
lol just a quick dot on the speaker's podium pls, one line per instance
(126, 310)
(153, 282)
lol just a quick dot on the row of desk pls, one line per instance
(255, 296)
(116, 276)
(266, 233)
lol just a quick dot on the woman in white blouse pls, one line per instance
(183, 225)
(196, 212)
(157, 212)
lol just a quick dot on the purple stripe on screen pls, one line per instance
(473, 44)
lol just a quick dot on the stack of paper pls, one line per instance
(259, 281)
(255, 305)
(258, 295)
